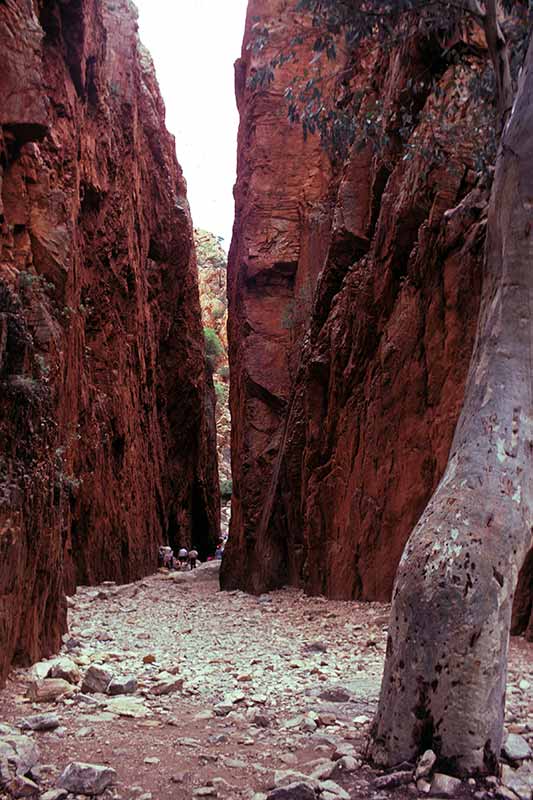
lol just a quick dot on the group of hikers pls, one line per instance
(186, 559)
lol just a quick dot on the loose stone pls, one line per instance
(87, 779)
(444, 785)
(49, 689)
(425, 764)
(96, 680)
(40, 722)
(516, 748)
(22, 787)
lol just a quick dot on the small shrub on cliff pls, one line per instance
(226, 489)
(213, 347)
(221, 391)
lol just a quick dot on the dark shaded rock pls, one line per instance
(40, 722)
(294, 791)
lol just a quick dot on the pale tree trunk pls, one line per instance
(499, 54)
(446, 666)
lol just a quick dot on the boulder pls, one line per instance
(20, 752)
(90, 779)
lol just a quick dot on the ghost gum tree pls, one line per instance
(446, 665)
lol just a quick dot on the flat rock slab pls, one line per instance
(55, 794)
(89, 779)
(50, 689)
(128, 707)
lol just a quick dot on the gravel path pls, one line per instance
(231, 690)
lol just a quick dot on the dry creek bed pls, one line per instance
(233, 697)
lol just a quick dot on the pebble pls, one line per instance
(305, 710)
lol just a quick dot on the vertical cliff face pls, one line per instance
(279, 242)
(342, 435)
(106, 412)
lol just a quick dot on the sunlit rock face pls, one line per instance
(354, 294)
(106, 419)
(212, 279)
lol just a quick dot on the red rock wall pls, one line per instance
(278, 246)
(106, 415)
(340, 438)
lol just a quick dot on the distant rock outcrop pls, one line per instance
(106, 414)
(212, 281)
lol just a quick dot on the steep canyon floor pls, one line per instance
(251, 687)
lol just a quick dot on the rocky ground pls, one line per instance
(176, 690)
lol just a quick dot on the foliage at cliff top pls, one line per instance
(341, 26)
(209, 251)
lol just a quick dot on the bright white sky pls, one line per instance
(194, 44)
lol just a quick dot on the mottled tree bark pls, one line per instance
(446, 666)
